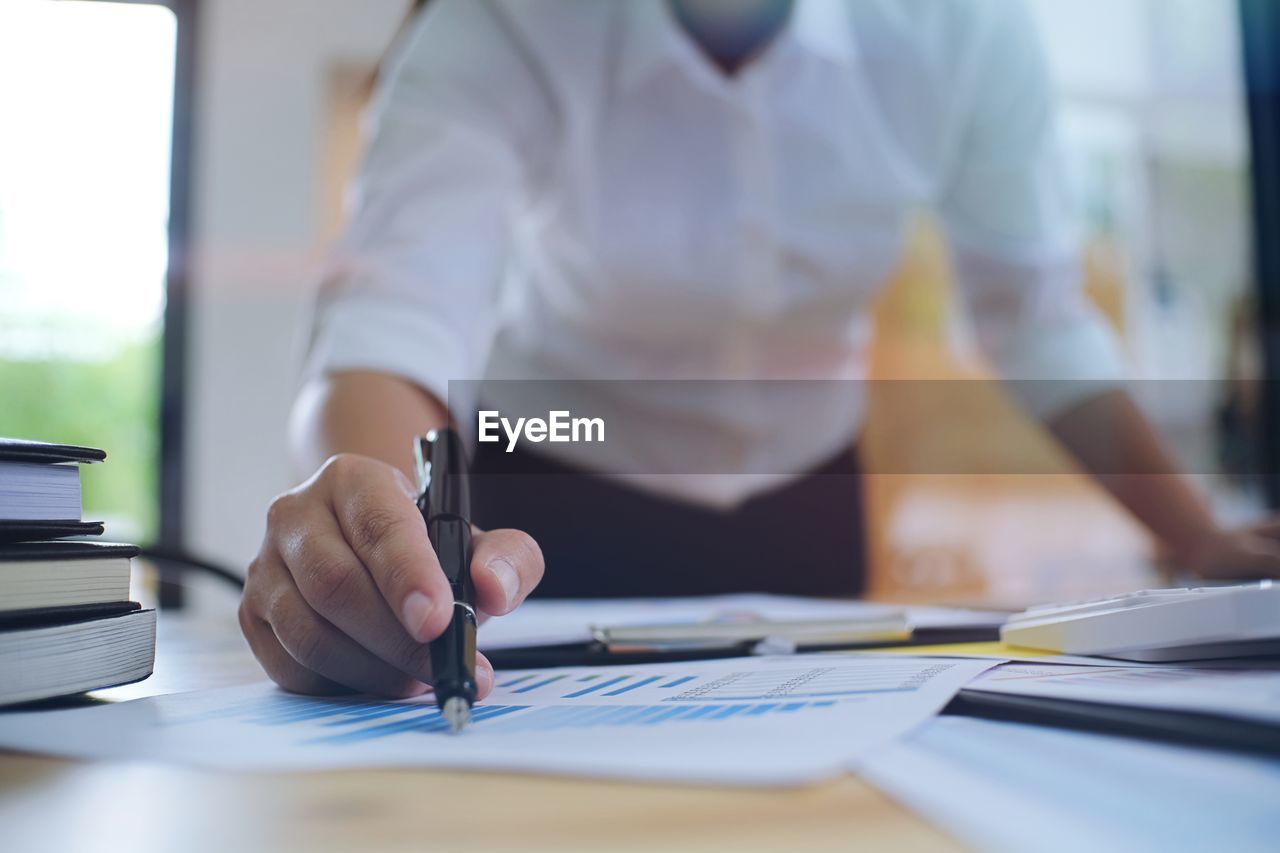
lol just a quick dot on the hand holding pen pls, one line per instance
(347, 592)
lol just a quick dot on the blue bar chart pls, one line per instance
(558, 700)
(748, 684)
(502, 719)
(746, 721)
(353, 721)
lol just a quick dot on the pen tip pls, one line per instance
(457, 713)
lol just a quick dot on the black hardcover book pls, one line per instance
(34, 531)
(21, 450)
(42, 617)
(37, 575)
(42, 661)
(40, 483)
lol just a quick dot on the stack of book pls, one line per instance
(66, 622)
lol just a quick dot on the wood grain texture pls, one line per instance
(56, 805)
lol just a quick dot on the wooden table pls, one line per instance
(48, 804)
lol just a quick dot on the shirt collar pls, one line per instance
(653, 39)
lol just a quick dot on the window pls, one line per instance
(1154, 123)
(86, 99)
(1156, 136)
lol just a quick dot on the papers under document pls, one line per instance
(1240, 690)
(567, 621)
(749, 721)
(1012, 787)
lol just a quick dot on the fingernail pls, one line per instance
(507, 579)
(416, 612)
(484, 679)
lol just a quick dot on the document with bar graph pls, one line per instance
(753, 721)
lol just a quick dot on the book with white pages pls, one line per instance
(45, 661)
(37, 576)
(31, 491)
(40, 490)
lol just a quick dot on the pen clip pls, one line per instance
(444, 500)
(443, 488)
(422, 466)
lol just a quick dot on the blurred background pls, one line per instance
(171, 174)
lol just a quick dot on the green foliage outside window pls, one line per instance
(111, 404)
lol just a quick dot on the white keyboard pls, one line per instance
(1157, 624)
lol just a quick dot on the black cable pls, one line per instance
(176, 562)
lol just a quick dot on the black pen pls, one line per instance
(444, 499)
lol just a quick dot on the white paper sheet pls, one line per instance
(1002, 653)
(1241, 689)
(554, 621)
(1028, 789)
(758, 721)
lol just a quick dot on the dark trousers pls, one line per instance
(605, 539)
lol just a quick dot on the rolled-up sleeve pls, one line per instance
(412, 286)
(1008, 215)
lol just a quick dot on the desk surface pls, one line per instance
(63, 805)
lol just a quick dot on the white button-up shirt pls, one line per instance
(570, 190)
